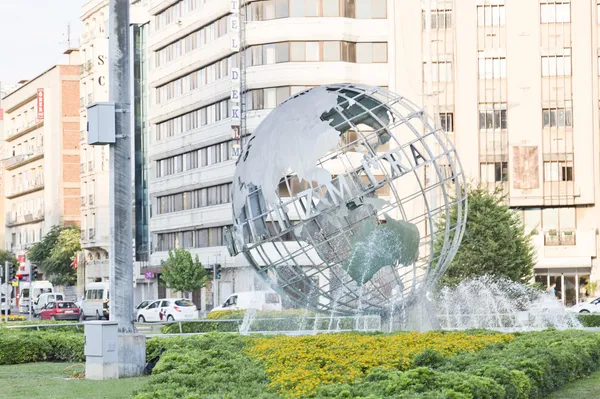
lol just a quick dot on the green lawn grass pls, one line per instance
(585, 388)
(47, 380)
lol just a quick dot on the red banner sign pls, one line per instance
(40, 104)
(21, 258)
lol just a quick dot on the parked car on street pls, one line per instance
(592, 306)
(168, 309)
(95, 304)
(259, 300)
(45, 298)
(140, 306)
(61, 310)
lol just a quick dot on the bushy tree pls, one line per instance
(181, 272)
(7, 256)
(55, 254)
(494, 242)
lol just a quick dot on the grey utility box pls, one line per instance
(101, 127)
(101, 350)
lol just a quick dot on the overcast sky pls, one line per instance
(33, 35)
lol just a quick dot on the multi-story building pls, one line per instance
(95, 159)
(41, 151)
(290, 46)
(93, 87)
(513, 83)
(516, 85)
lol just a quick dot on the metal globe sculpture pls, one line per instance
(338, 198)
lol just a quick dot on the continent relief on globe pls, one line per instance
(376, 246)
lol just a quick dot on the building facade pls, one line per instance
(94, 86)
(523, 116)
(41, 151)
(94, 167)
(516, 86)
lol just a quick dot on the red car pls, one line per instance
(61, 310)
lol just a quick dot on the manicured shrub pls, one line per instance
(40, 346)
(589, 320)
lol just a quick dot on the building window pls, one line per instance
(557, 117)
(327, 51)
(558, 225)
(192, 41)
(491, 68)
(200, 198)
(555, 12)
(440, 71)
(492, 14)
(275, 9)
(492, 116)
(447, 121)
(557, 65)
(201, 117)
(200, 238)
(493, 172)
(440, 19)
(196, 79)
(558, 171)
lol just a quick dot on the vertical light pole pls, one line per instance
(120, 258)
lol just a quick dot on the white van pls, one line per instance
(95, 302)
(259, 300)
(39, 287)
(44, 298)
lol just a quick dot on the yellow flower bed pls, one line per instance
(296, 366)
(13, 317)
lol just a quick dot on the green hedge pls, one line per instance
(531, 366)
(589, 320)
(207, 366)
(41, 346)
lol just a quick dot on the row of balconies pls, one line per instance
(86, 167)
(22, 159)
(15, 219)
(82, 100)
(27, 187)
(26, 125)
(89, 200)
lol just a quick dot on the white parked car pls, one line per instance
(168, 309)
(259, 300)
(587, 307)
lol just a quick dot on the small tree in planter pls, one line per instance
(591, 288)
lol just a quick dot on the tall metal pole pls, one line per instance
(120, 257)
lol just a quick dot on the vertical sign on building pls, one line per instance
(40, 104)
(234, 28)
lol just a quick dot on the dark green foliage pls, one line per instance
(55, 254)
(207, 366)
(27, 347)
(531, 366)
(589, 320)
(182, 273)
(7, 256)
(494, 242)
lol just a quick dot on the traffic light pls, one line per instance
(34, 272)
(218, 271)
(11, 271)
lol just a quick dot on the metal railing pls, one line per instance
(83, 200)
(91, 233)
(91, 199)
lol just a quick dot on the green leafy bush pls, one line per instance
(41, 346)
(589, 320)
(212, 365)
(531, 366)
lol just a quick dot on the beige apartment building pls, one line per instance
(515, 83)
(41, 155)
(94, 167)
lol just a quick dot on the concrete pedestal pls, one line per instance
(132, 355)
